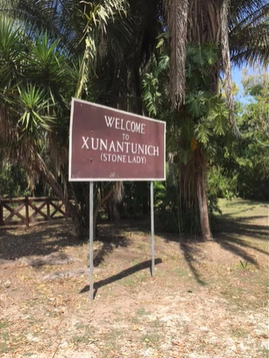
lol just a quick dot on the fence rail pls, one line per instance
(23, 211)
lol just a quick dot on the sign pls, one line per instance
(107, 144)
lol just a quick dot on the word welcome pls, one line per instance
(127, 126)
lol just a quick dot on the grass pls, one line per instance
(83, 334)
(180, 272)
(142, 312)
(112, 341)
(239, 332)
(4, 336)
(151, 338)
(135, 280)
(239, 207)
(85, 338)
(244, 265)
(3, 324)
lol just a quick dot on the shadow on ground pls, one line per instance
(191, 255)
(109, 244)
(39, 240)
(127, 272)
(44, 239)
(239, 236)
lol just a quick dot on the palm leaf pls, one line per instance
(249, 33)
(35, 108)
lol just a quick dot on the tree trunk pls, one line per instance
(202, 202)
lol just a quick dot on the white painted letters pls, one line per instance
(128, 126)
(85, 140)
(121, 151)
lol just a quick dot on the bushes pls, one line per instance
(13, 181)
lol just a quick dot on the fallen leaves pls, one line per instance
(135, 316)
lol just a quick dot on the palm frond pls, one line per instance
(35, 109)
(249, 34)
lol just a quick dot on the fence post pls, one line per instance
(27, 211)
(1, 214)
(48, 208)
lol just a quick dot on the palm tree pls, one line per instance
(203, 23)
(77, 24)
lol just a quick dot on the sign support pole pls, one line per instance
(152, 227)
(91, 238)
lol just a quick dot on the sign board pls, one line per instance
(107, 144)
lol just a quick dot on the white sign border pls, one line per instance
(119, 178)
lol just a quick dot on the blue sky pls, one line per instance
(237, 78)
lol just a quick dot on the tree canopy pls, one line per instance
(163, 59)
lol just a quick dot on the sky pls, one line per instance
(237, 78)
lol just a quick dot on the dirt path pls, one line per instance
(205, 300)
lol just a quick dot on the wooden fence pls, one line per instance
(23, 211)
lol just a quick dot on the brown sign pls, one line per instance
(108, 144)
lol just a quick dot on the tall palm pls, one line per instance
(190, 21)
(204, 22)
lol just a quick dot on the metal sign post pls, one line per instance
(152, 227)
(91, 238)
